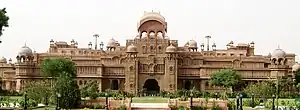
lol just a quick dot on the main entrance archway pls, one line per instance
(151, 86)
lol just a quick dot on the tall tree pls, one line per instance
(64, 72)
(3, 20)
(226, 78)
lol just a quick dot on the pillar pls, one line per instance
(100, 85)
(7, 85)
(202, 85)
(18, 85)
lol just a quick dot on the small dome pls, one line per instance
(171, 49)
(111, 43)
(278, 53)
(296, 67)
(3, 60)
(25, 51)
(192, 44)
(131, 49)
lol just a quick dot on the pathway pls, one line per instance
(149, 106)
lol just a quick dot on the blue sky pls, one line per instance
(268, 23)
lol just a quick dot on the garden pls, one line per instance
(62, 91)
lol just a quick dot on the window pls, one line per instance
(266, 65)
(115, 85)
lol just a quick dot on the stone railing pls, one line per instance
(199, 102)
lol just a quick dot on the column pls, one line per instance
(100, 85)
(7, 85)
(110, 83)
(202, 85)
(18, 85)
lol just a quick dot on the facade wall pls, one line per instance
(150, 55)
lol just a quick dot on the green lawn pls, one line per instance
(149, 100)
(15, 97)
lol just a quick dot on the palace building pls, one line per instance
(150, 61)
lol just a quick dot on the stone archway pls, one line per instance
(151, 86)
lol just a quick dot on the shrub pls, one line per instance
(98, 106)
(122, 107)
(199, 108)
(30, 102)
(216, 107)
(248, 102)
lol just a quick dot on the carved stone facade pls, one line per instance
(150, 61)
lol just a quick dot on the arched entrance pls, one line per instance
(151, 86)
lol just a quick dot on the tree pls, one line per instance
(3, 20)
(64, 71)
(55, 67)
(261, 89)
(226, 78)
(69, 91)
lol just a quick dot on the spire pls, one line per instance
(278, 46)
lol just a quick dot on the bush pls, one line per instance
(30, 102)
(98, 106)
(178, 108)
(216, 107)
(248, 102)
(199, 108)
(289, 95)
(122, 107)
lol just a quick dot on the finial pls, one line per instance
(25, 44)
(278, 46)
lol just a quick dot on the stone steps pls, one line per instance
(149, 106)
(148, 109)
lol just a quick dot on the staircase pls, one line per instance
(149, 106)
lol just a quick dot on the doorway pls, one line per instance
(187, 85)
(115, 85)
(151, 87)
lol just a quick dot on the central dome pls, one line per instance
(148, 16)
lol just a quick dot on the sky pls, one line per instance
(269, 23)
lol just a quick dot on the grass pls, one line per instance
(149, 100)
(15, 97)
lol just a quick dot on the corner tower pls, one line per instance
(278, 64)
